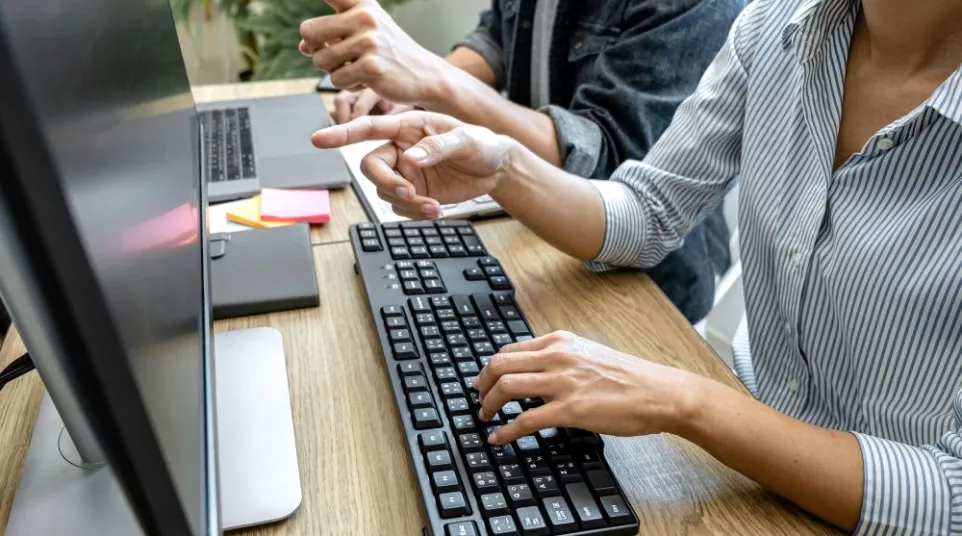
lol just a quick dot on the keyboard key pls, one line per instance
(492, 271)
(430, 331)
(445, 314)
(546, 486)
(391, 310)
(470, 382)
(473, 246)
(415, 241)
(396, 243)
(445, 373)
(503, 298)
(511, 474)
(453, 505)
(483, 348)
(511, 409)
(424, 319)
(411, 233)
(484, 305)
(466, 231)
(532, 521)
(493, 504)
(417, 224)
(520, 495)
(439, 359)
(503, 454)
(434, 345)
(426, 418)
(473, 274)
(400, 253)
(404, 350)
(463, 422)
(527, 444)
(567, 472)
(432, 441)
(501, 339)
(395, 322)
(452, 240)
(484, 360)
(392, 233)
(447, 232)
(477, 335)
(429, 273)
(452, 390)
(475, 399)
(615, 509)
(509, 312)
(462, 304)
(457, 251)
(584, 506)
(518, 327)
(442, 224)
(439, 460)
(445, 482)
(420, 252)
(478, 461)
(411, 368)
(458, 406)
(535, 464)
(399, 335)
(468, 368)
(450, 326)
(366, 226)
(496, 327)
(588, 458)
(437, 251)
(485, 482)
(600, 481)
(471, 322)
(464, 528)
(420, 400)
(559, 515)
(415, 383)
(462, 353)
(371, 244)
(487, 261)
(413, 287)
(470, 442)
(457, 339)
(498, 282)
(420, 304)
(502, 526)
(429, 232)
(407, 275)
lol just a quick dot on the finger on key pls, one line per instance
(513, 386)
(502, 364)
(529, 422)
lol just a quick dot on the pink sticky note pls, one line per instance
(311, 206)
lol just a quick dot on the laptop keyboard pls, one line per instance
(228, 144)
(443, 307)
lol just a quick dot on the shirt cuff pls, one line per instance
(489, 49)
(579, 140)
(624, 226)
(905, 490)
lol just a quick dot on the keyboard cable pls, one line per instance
(17, 368)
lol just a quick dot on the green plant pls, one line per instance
(268, 31)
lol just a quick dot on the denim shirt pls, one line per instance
(618, 70)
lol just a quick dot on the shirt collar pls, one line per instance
(947, 99)
(812, 22)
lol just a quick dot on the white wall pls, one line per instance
(212, 55)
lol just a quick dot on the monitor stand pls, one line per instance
(257, 458)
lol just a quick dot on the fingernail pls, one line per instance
(401, 192)
(428, 209)
(417, 153)
(481, 415)
(493, 438)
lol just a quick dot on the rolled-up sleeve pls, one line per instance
(486, 41)
(912, 490)
(651, 205)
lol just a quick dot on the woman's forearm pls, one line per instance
(817, 468)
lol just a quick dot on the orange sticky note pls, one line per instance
(249, 214)
(311, 206)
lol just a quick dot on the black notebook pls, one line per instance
(262, 271)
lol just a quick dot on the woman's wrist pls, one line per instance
(690, 398)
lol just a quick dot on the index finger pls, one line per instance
(386, 127)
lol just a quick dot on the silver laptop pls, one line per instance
(251, 144)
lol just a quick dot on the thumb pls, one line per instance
(341, 6)
(433, 150)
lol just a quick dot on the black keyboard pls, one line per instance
(443, 307)
(228, 144)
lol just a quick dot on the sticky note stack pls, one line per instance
(249, 213)
(294, 206)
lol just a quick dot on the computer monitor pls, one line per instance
(104, 267)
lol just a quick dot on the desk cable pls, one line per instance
(14, 370)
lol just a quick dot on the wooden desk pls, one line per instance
(355, 472)
(345, 207)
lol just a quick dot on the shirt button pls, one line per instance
(885, 143)
(793, 385)
(526, 25)
(798, 259)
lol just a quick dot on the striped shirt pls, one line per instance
(852, 276)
